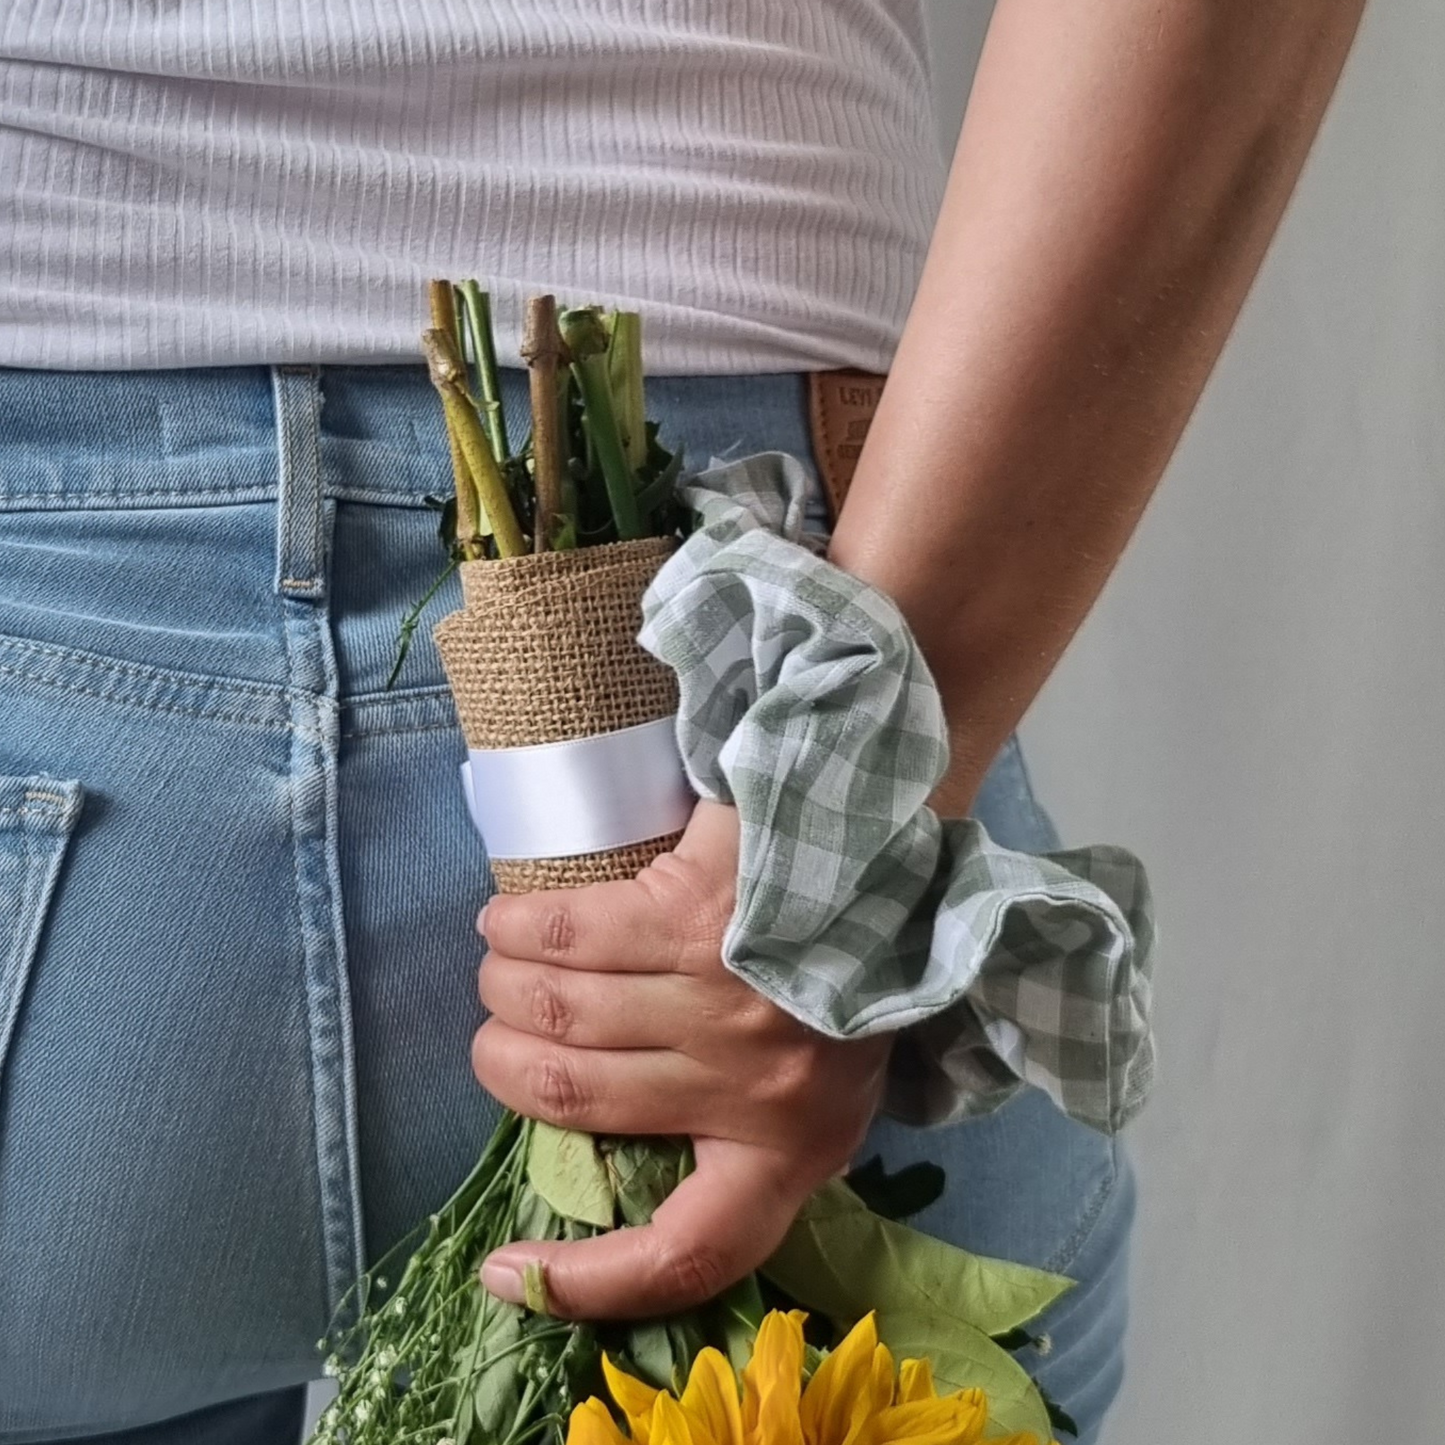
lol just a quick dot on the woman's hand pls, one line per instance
(612, 1012)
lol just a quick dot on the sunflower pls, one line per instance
(853, 1398)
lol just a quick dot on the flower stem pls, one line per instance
(586, 339)
(624, 365)
(543, 351)
(442, 301)
(477, 306)
(488, 497)
(410, 622)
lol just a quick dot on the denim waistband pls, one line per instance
(211, 436)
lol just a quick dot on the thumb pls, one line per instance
(721, 1222)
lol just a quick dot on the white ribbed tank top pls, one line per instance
(209, 182)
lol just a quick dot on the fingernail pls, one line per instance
(504, 1280)
(482, 920)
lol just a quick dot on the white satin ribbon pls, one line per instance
(556, 800)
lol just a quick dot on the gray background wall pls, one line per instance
(1257, 706)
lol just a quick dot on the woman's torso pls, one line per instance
(210, 182)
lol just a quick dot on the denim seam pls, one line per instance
(122, 698)
(313, 803)
(38, 795)
(399, 732)
(437, 692)
(328, 1261)
(138, 669)
(27, 812)
(1060, 1262)
(83, 501)
(140, 673)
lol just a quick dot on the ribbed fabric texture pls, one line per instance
(208, 182)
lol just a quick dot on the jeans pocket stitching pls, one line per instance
(41, 824)
(129, 684)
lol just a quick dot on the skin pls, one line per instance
(1120, 173)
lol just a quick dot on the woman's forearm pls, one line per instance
(1120, 172)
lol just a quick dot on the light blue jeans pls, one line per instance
(237, 886)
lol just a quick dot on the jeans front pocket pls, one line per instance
(37, 817)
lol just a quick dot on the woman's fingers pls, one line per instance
(721, 1222)
(606, 1091)
(590, 1010)
(668, 919)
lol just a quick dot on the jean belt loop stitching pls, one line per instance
(300, 529)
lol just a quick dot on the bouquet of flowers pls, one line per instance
(573, 776)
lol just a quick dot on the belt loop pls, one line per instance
(300, 529)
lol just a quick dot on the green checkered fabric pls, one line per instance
(806, 703)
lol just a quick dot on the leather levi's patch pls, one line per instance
(840, 408)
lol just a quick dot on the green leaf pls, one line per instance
(735, 1317)
(643, 1172)
(495, 1377)
(962, 1359)
(897, 1196)
(1059, 1418)
(582, 1363)
(844, 1260)
(663, 487)
(685, 1336)
(649, 1350)
(536, 1219)
(1017, 1339)
(565, 1168)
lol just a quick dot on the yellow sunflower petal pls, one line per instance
(839, 1389)
(634, 1398)
(710, 1401)
(591, 1424)
(667, 1425)
(915, 1381)
(880, 1381)
(773, 1381)
(954, 1420)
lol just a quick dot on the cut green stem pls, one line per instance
(487, 499)
(586, 339)
(624, 365)
(442, 300)
(477, 307)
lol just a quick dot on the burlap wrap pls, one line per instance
(544, 650)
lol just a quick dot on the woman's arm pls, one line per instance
(1120, 172)
(1119, 175)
